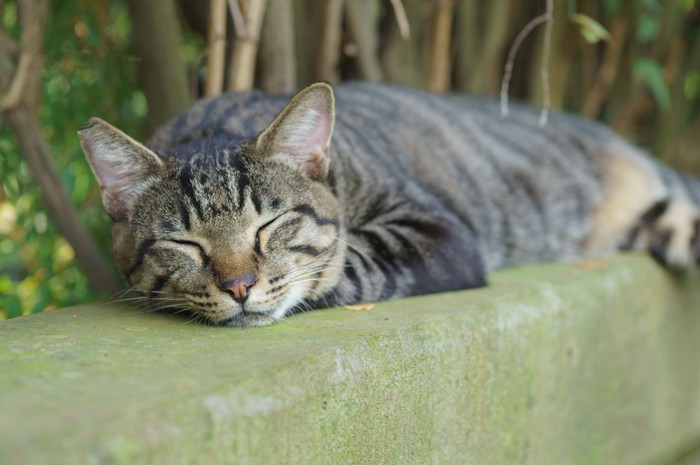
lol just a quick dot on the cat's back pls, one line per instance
(509, 179)
(379, 114)
(394, 117)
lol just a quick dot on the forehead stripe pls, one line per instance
(307, 249)
(242, 179)
(257, 201)
(185, 217)
(185, 180)
(143, 248)
(308, 210)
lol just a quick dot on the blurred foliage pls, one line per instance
(88, 71)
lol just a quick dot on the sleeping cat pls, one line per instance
(244, 214)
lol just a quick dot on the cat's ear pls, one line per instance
(303, 130)
(122, 165)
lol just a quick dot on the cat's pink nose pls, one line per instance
(238, 287)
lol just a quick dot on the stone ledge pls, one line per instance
(591, 363)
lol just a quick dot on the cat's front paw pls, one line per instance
(670, 231)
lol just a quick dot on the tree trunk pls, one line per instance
(156, 38)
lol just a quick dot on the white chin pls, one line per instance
(249, 319)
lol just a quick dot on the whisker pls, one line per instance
(355, 248)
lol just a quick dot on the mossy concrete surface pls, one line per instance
(584, 363)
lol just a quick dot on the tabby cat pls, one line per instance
(244, 214)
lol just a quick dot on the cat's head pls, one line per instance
(240, 232)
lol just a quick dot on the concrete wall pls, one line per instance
(588, 363)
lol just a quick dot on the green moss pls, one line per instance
(551, 364)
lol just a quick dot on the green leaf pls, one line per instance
(590, 29)
(13, 307)
(653, 5)
(687, 5)
(611, 7)
(691, 85)
(652, 75)
(648, 27)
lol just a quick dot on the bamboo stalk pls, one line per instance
(277, 59)
(329, 57)
(362, 22)
(492, 42)
(241, 71)
(466, 46)
(216, 56)
(439, 76)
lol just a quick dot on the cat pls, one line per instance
(244, 210)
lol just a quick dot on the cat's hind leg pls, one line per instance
(641, 211)
(670, 231)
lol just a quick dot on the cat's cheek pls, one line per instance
(291, 299)
(221, 308)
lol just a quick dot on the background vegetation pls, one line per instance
(633, 64)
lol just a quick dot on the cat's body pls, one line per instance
(417, 193)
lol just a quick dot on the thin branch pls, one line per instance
(16, 89)
(546, 47)
(401, 19)
(546, 16)
(29, 56)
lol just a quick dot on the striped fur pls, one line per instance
(418, 194)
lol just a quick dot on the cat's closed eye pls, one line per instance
(193, 249)
(263, 234)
